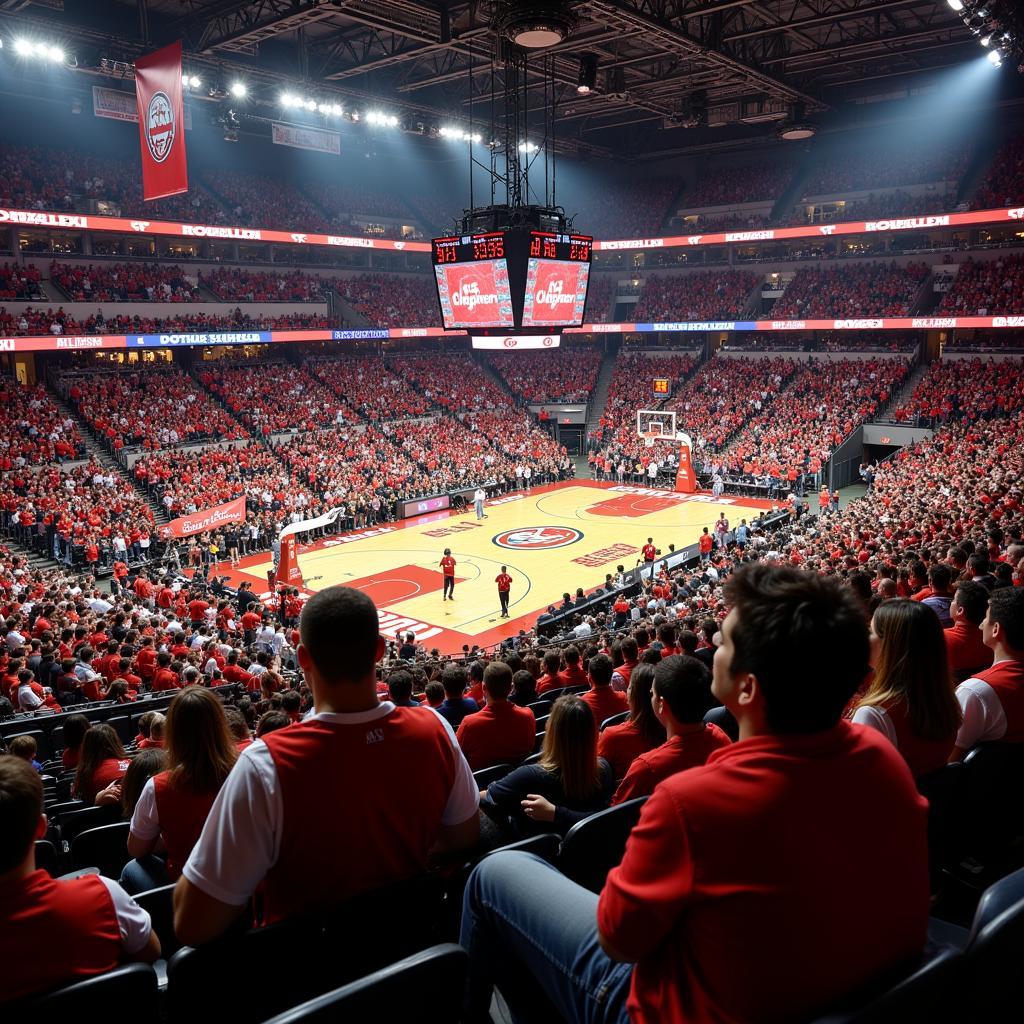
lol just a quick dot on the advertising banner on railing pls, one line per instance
(206, 519)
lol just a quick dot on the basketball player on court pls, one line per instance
(448, 568)
(650, 553)
(504, 582)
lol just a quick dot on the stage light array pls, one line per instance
(40, 50)
(998, 26)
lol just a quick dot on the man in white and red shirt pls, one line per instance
(698, 922)
(394, 778)
(95, 924)
(992, 700)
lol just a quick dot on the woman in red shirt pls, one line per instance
(173, 807)
(75, 728)
(102, 762)
(620, 744)
(911, 697)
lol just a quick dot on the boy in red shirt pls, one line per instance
(96, 923)
(699, 923)
(500, 732)
(601, 698)
(447, 564)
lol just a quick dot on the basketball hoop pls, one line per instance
(650, 437)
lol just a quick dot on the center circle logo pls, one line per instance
(538, 538)
(160, 127)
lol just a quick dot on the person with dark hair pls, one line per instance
(755, 858)
(568, 782)
(679, 699)
(992, 700)
(602, 700)
(500, 732)
(524, 688)
(573, 673)
(965, 645)
(910, 697)
(979, 570)
(174, 804)
(552, 677)
(447, 565)
(400, 689)
(456, 704)
(128, 790)
(238, 726)
(397, 772)
(504, 582)
(434, 692)
(270, 721)
(476, 682)
(75, 728)
(622, 743)
(102, 762)
(96, 924)
(939, 598)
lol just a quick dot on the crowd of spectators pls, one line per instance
(124, 282)
(454, 381)
(711, 223)
(708, 295)
(258, 201)
(853, 168)
(18, 282)
(271, 398)
(621, 209)
(392, 300)
(987, 287)
(151, 409)
(741, 183)
(33, 429)
(881, 205)
(599, 299)
(852, 290)
(1003, 182)
(238, 285)
(565, 375)
(964, 389)
(343, 201)
(370, 386)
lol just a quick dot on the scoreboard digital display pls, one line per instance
(661, 387)
(512, 279)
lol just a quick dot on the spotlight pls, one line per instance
(37, 48)
(957, 5)
(194, 81)
(535, 24)
(22, 47)
(288, 100)
(527, 147)
(987, 40)
(588, 75)
(238, 89)
(384, 120)
(995, 58)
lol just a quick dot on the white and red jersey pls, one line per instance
(504, 582)
(993, 705)
(448, 565)
(332, 806)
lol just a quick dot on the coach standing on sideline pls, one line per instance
(478, 502)
(504, 582)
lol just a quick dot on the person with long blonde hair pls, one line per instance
(568, 782)
(910, 698)
(174, 804)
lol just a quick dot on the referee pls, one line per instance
(504, 582)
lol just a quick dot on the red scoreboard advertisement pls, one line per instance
(512, 279)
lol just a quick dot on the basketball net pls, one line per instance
(650, 437)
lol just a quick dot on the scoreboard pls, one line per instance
(661, 387)
(512, 279)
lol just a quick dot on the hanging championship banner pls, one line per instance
(161, 123)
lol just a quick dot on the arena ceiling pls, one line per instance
(658, 60)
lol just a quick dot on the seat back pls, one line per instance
(594, 846)
(723, 718)
(337, 946)
(486, 776)
(43, 746)
(46, 857)
(540, 707)
(993, 777)
(622, 716)
(105, 848)
(122, 725)
(73, 823)
(426, 987)
(944, 791)
(159, 904)
(132, 988)
(994, 949)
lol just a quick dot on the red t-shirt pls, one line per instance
(706, 542)
(106, 772)
(620, 744)
(498, 733)
(967, 651)
(250, 620)
(758, 858)
(448, 565)
(675, 755)
(650, 552)
(165, 679)
(504, 582)
(604, 702)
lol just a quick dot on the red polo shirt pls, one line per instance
(498, 733)
(967, 651)
(749, 871)
(675, 755)
(620, 744)
(604, 702)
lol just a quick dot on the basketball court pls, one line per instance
(553, 540)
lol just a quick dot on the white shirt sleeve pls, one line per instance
(241, 839)
(464, 799)
(876, 718)
(132, 921)
(145, 821)
(984, 718)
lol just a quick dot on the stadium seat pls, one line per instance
(337, 945)
(64, 807)
(74, 823)
(546, 846)
(992, 778)
(426, 987)
(932, 990)
(538, 742)
(594, 846)
(159, 904)
(43, 749)
(105, 848)
(132, 988)
(541, 722)
(540, 707)
(46, 857)
(622, 716)
(122, 725)
(944, 791)
(486, 776)
(723, 718)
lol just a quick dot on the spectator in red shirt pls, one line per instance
(500, 732)
(102, 762)
(680, 700)
(602, 700)
(967, 651)
(695, 924)
(620, 744)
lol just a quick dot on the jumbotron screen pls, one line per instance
(512, 279)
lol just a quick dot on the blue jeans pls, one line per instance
(522, 920)
(143, 874)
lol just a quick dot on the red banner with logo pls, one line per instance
(556, 293)
(161, 123)
(206, 519)
(686, 478)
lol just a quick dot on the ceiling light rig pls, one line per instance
(535, 24)
(998, 26)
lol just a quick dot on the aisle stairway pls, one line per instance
(903, 395)
(599, 396)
